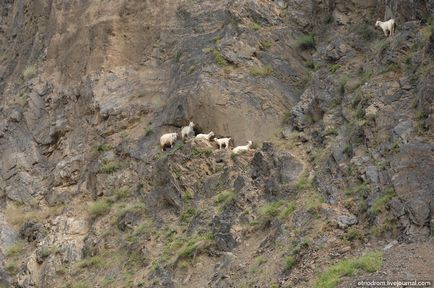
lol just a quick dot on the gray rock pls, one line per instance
(372, 174)
(68, 171)
(413, 182)
(128, 220)
(31, 231)
(7, 236)
(345, 221)
(221, 234)
(289, 168)
(16, 114)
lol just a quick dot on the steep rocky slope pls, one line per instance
(341, 117)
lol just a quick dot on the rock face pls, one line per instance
(337, 114)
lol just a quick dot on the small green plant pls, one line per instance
(342, 84)
(348, 150)
(200, 152)
(329, 19)
(178, 146)
(188, 214)
(194, 245)
(386, 225)
(265, 44)
(149, 131)
(95, 261)
(99, 208)
(29, 72)
(299, 246)
(263, 71)
(394, 148)
(225, 197)
(271, 210)
(109, 167)
(420, 118)
(81, 285)
(187, 195)
(255, 26)
(124, 135)
(15, 249)
(178, 56)
(314, 203)
(380, 202)
(48, 250)
(369, 262)
(303, 183)
(286, 117)
(365, 31)
(388, 68)
(260, 260)
(122, 193)
(360, 189)
(306, 42)
(311, 65)
(277, 209)
(360, 113)
(336, 101)
(11, 267)
(290, 262)
(104, 147)
(219, 59)
(333, 68)
(331, 131)
(354, 233)
(290, 207)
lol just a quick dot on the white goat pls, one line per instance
(240, 149)
(223, 141)
(388, 26)
(168, 140)
(205, 136)
(187, 131)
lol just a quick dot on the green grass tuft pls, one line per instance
(29, 72)
(104, 147)
(265, 44)
(306, 42)
(15, 249)
(95, 261)
(225, 197)
(303, 183)
(379, 203)
(290, 262)
(219, 59)
(255, 26)
(330, 278)
(263, 71)
(333, 68)
(109, 167)
(149, 131)
(99, 208)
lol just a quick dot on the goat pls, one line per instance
(168, 140)
(240, 149)
(187, 131)
(388, 26)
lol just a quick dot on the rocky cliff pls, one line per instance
(341, 118)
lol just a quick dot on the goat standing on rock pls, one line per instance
(388, 26)
(187, 131)
(223, 141)
(168, 140)
(240, 149)
(205, 136)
